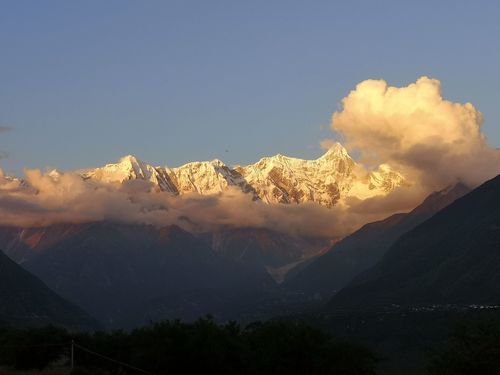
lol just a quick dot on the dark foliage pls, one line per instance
(33, 348)
(472, 348)
(294, 348)
(276, 347)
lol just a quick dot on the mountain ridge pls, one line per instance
(114, 270)
(451, 258)
(275, 179)
(26, 301)
(363, 248)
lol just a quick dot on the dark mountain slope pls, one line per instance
(126, 275)
(263, 248)
(362, 249)
(23, 244)
(452, 258)
(27, 301)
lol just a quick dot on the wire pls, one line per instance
(113, 360)
(84, 349)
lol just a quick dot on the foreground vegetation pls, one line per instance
(472, 348)
(276, 347)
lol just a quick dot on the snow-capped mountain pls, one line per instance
(276, 179)
(130, 168)
(284, 179)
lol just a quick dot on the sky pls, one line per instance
(84, 83)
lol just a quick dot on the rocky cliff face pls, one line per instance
(276, 179)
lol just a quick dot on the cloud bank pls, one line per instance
(432, 141)
(43, 199)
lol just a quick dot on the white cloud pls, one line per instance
(429, 139)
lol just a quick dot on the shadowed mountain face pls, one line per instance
(27, 301)
(265, 249)
(129, 274)
(364, 248)
(452, 258)
(24, 244)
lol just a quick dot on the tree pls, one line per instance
(472, 348)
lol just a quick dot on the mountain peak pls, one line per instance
(274, 179)
(218, 163)
(130, 160)
(127, 168)
(130, 163)
(335, 151)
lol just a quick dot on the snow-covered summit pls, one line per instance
(129, 168)
(283, 179)
(275, 179)
(334, 152)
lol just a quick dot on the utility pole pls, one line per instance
(72, 355)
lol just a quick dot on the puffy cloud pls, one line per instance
(432, 141)
(402, 199)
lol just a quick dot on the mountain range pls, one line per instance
(277, 179)
(443, 251)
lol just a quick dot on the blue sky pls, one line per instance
(83, 83)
